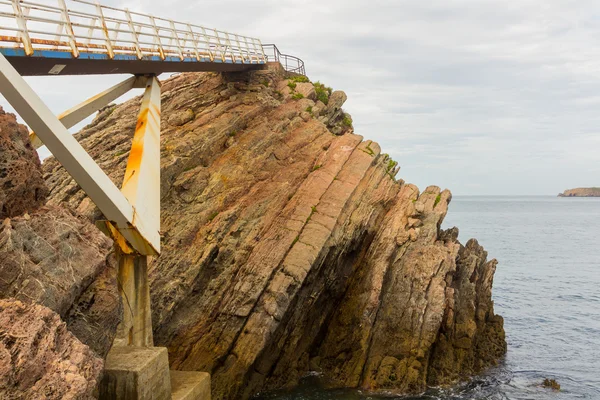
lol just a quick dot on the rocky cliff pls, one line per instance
(581, 192)
(59, 304)
(289, 246)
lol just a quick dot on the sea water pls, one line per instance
(547, 288)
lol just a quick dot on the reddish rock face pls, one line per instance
(58, 259)
(289, 246)
(49, 257)
(40, 358)
(22, 187)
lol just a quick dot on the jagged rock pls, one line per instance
(40, 358)
(22, 187)
(54, 258)
(307, 90)
(283, 88)
(319, 108)
(336, 101)
(471, 335)
(289, 249)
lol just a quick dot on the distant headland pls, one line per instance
(581, 192)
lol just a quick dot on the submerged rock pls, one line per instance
(290, 247)
(552, 384)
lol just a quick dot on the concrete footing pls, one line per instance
(142, 373)
(190, 385)
(136, 373)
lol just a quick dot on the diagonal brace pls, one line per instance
(142, 236)
(76, 114)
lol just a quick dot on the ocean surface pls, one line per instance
(547, 288)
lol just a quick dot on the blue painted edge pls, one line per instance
(13, 52)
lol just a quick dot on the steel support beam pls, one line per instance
(141, 186)
(144, 237)
(76, 114)
(141, 183)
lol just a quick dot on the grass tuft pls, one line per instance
(299, 79)
(323, 92)
(347, 121)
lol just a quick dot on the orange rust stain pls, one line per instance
(118, 239)
(137, 145)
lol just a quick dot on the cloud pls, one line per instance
(480, 96)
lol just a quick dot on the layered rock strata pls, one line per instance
(289, 246)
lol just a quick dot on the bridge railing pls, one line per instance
(289, 63)
(35, 27)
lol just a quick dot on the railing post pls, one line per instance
(22, 24)
(91, 30)
(194, 41)
(228, 42)
(69, 28)
(134, 34)
(207, 39)
(109, 47)
(237, 40)
(262, 51)
(176, 38)
(161, 51)
(220, 46)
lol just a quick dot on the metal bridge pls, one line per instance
(49, 38)
(90, 38)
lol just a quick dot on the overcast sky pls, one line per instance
(478, 96)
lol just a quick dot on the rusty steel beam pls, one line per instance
(135, 328)
(83, 110)
(144, 237)
(141, 187)
(141, 183)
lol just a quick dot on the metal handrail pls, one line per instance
(289, 63)
(93, 28)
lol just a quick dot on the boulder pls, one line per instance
(319, 108)
(336, 101)
(307, 90)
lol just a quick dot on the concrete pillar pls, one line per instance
(136, 327)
